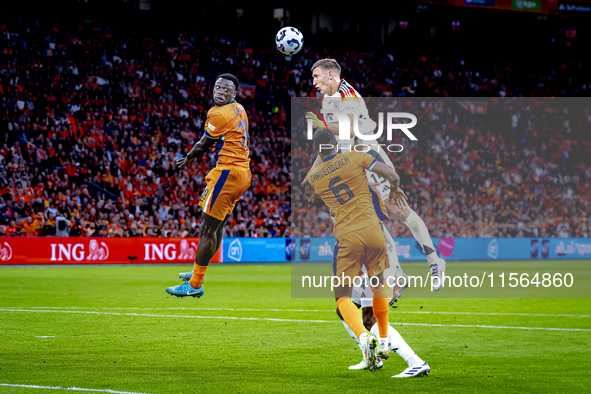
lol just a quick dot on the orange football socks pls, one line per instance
(380, 310)
(351, 315)
(198, 274)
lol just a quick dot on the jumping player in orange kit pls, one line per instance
(226, 135)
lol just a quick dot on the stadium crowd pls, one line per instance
(93, 121)
(94, 116)
(517, 168)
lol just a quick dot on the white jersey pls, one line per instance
(384, 186)
(348, 100)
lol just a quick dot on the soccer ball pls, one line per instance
(289, 40)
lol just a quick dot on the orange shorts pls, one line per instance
(225, 185)
(365, 247)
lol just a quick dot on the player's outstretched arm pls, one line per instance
(198, 150)
(386, 172)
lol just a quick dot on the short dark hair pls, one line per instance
(229, 77)
(324, 137)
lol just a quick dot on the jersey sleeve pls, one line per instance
(367, 162)
(215, 126)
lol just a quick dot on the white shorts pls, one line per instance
(367, 302)
(362, 295)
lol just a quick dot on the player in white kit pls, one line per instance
(340, 95)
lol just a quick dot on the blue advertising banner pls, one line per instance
(254, 250)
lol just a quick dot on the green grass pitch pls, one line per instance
(114, 328)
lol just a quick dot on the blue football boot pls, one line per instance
(185, 290)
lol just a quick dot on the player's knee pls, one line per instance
(401, 214)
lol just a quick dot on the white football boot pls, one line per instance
(411, 372)
(383, 349)
(369, 344)
(363, 365)
(437, 268)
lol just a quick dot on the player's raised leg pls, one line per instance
(416, 366)
(419, 230)
(208, 245)
(395, 278)
(186, 276)
(408, 216)
(225, 186)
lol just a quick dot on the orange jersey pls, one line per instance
(229, 125)
(342, 184)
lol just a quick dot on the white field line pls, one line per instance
(286, 320)
(173, 316)
(28, 386)
(303, 310)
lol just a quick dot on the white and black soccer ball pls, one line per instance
(289, 41)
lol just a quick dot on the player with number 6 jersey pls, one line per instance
(341, 183)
